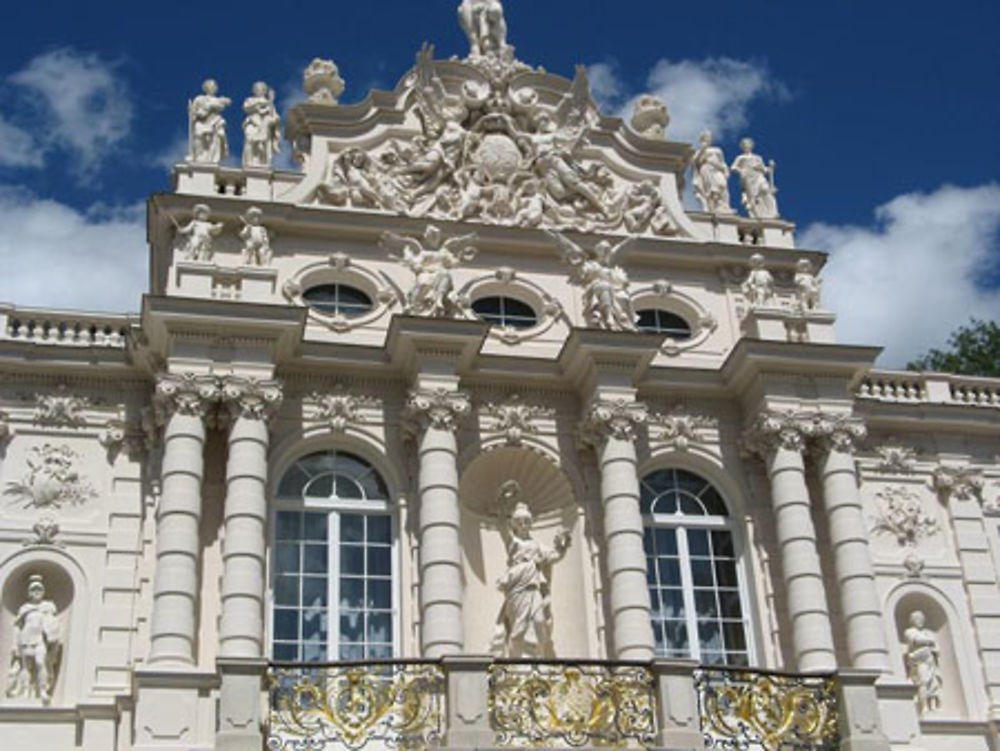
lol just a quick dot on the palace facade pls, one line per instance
(467, 433)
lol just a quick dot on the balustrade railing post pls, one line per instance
(678, 717)
(860, 719)
(468, 719)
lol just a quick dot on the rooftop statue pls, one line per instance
(807, 285)
(261, 127)
(710, 176)
(431, 261)
(524, 625)
(36, 652)
(484, 24)
(256, 239)
(606, 301)
(650, 117)
(758, 287)
(322, 82)
(206, 125)
(757, 182)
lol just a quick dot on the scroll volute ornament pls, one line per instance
(438, 408)
(838, 433)
(616, 419)
(774, 429)
(186, 394)
(251, 398)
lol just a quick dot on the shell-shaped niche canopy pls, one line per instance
(544, 487)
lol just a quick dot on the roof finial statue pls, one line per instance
(484, 23)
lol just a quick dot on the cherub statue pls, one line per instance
(644, 209)
(261, 127)
(524, 625)
(431, 262)
(530, 206)
(606, 301)
(758, 287)
(206, 126)
(484, 24)
(923, 662)
(194, 239)
(710, 176)
(807, 285)
(36, 653)
(256, 239)
(757, 181)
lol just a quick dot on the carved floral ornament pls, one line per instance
(616, 419)
(51, 479)
(895, 458)
(514, 420)
(679, 429)
(438, 408)
(340, 407)
(61, 409)
(902, 515)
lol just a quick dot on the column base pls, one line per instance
(240, 700)
(860, 721)
(174, 710)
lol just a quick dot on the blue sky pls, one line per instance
(883, 117)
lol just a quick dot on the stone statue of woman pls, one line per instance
(207, 126)
(710, 176)
(261, 127)
(923, 663)
(524, 625)
(36, 652)
(757, 181)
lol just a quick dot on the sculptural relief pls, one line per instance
(431, 261)
(51, 480)
(194, 239)
(524, 625)
(757, 182)
(261, 127)
(902, 515)
(206, 125)
(650, 117)
(36, 653)
(923, 658)
(710, 176)
(322, 82)
(606, 300)
(807, 285)
(758, 287)
(256, 239)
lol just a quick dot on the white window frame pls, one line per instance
(334, 508)
(681, 521)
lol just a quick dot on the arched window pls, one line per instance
(333, 562)
(505, 311)
(338, 299)
(657, 321)
(693, 572)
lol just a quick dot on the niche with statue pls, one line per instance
(36, 602)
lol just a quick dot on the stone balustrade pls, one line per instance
(473, 701)
(65, 328)
(906, 387)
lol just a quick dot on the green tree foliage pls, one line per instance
(973, 349)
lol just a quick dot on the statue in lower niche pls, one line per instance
(194, 239)
(36, 653)
(758, 287)
(431, 261)
(524, 625)
(757, 182)
(207, 126)
(256, 239)
(923, 658)
(710, 176)
(807, 285)
(606, 300)
(261, 127)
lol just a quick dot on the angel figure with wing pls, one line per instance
(433, 292)
(606, 301)
(524, 625)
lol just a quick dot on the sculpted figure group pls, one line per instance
(207, 140)
(710, 179)
(194, 241)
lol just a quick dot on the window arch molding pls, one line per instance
(506, 282)
(704, 464)
(697, 564)
(665, 296)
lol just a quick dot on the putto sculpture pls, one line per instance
(261, 127)
(923, 659)
(757, 182)
(207, 142)
(524, 625)
(431, 261)
(606, 300)
(710, 176)
(484, 24)
(194, 239)
(807, 285)
(256, 239)
(758, 287)
(36, 653)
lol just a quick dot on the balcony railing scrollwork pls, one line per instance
(754, 710)
(315, 707)
(571, 704)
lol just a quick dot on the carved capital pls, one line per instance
(251, 398)
(186, 394)
(960, 483)
(437, 408)
(838, 432)
(773, 429)
(612, 419)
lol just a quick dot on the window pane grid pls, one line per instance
(505, 311)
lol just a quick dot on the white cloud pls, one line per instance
(57, 257)
(172, 154)
(17, 147)
(85, 106)
(714, 93)
(910, 279)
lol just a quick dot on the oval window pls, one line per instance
(505, 311)
(338, 299)
(656, 321)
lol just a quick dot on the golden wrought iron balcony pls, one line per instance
(465, 702)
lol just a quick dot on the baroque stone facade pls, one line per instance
(472, 382)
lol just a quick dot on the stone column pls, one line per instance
(250, 403)
(182, 404)
(859, 599)
(436, 412)
(610, 428)
(780, 438)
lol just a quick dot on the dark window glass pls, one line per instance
(505, 311)
(657, 321)
(338, 300)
